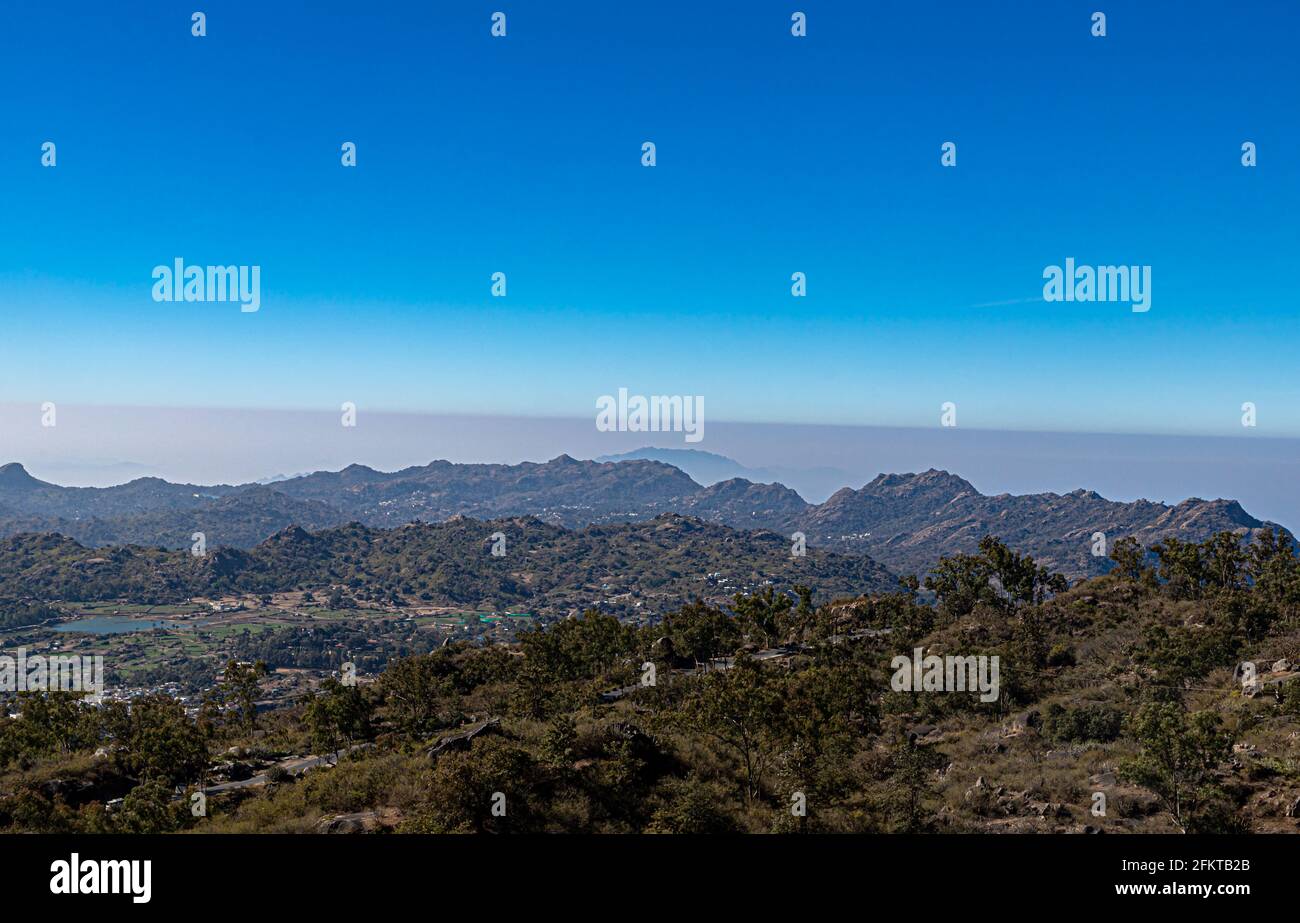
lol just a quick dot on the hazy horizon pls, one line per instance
(100, 446)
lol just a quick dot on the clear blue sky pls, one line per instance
(775, 154)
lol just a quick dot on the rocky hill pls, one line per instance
(908, 521)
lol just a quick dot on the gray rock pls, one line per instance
(461, 739)
(360, 822)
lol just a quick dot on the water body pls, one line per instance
(112, 625)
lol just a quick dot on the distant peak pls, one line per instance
(290, 535)
(931, 479)
(651, 453)
(1231, 510)
(15, 475)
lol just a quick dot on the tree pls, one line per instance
(240, 687)
(1179, 756)
(803, 620)
(997, 577)
(579, 648)
(827, 710)
(1275, 571)
(764, 616)
(337, 716)
(481, 790)
(1129, 557)
(739, 708)
(559, 742)
(912, 765)
(147, 808)
(1181, 567)
(416, 693)
(1225, 561)
(161, 742)
(1024, 582)
(961, 582)
(701, 632)
(690, 805)
(51, 722)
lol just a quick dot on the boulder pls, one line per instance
(360, 822)
(461, 739)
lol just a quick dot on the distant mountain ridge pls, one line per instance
(904, 521)
(709, 468)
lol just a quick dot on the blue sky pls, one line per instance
(775, 154)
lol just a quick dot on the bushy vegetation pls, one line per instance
(772, 713)
(548, 569)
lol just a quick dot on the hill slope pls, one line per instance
(629, 569)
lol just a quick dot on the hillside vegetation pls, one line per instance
(650, 566)
(1127, 686)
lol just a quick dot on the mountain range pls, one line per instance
(708, 468)
(904, 521)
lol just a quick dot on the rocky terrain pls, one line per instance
(905, 521)
(629, 569)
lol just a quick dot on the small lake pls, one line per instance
(112, 625)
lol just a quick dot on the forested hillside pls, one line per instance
(1128, 686)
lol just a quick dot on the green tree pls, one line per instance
(418, 694)
(690, 806)
(764, 616)
(961, 582)
(240, 687)
(482, 790)
(337, 716)
(700, 632)
(1178, 758)
(559, 742)
(996, 577)
(1023, 581)
(53, 722)
(1182, 569)
(148, 808)
(912, 767)
(1225, 561)
(1275, 571)
(161, 743)
(739, 708)
(1129, 557)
